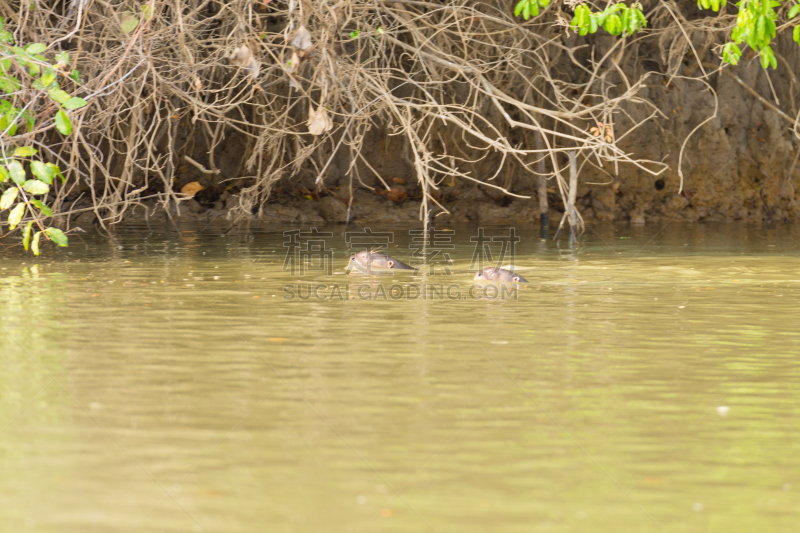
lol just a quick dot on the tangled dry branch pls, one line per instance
(247, 93)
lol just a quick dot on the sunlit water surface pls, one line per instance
(646, 380)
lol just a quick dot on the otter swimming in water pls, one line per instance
(499, 274)
(366, 260)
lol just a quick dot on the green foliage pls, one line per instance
(756, 26)
(25, 181)
(128, 22)
(711, 4)
(616, 19)
(793, 12)
(530, 8)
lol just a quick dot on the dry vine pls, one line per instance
(300, 83)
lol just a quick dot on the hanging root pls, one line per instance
(245, 94)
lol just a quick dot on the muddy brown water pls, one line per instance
(647, 380)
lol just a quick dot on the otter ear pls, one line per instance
(390, 263)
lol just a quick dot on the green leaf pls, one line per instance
(74, 103)
(731, 53)
(641, 18)
(56, 171)
(147, 11)
(26, 234)
(8, 198)
(63, 124)
(770, 28)
(46, 211)
(36, 48)
(796, 34)
(3, 174)
(62, 58)
(773, 61)
(613, 24)
(9, 123)
(128, 22)
(17, 172)
(582, 15)
(42, 171)
(75, 75)
(35, 243)
(6, 36)
(25, 151)
(16, 215)
(9, 84)
(57, 236)
(48, 77)
(36, 187)
(627, 23)
(760, 29)
(354, 34)
(59, 96)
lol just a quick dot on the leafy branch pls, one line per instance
(24, 179)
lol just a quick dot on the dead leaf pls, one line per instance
(318, 121)
(294, 62)
(243, 57)
(302, 39)
(190, 189)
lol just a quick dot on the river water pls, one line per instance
(644, 380)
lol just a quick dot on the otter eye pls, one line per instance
(390, 263)
(516, 278)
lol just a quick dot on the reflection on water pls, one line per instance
(645, 381)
